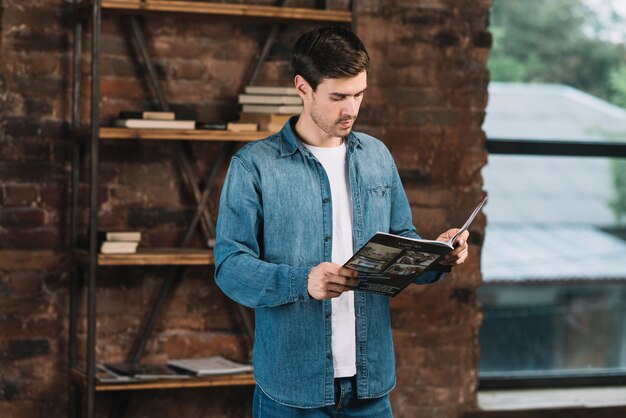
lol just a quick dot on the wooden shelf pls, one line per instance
(222, 9)
(153, 257)
(244, 379)
(180, 134)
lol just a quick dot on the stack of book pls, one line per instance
(152, 120)
(269, 106)
(119, 242)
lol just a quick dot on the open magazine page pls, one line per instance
(388, 263)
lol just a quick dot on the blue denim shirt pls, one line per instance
(274, 226)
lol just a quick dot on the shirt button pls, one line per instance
(326, 200)
(327, 238)
(328, 355)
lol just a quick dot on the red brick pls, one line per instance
(30, 239)
(28, 408)
(20, 194)
(22, 217)
(26, 283)
(33, 63)
(129, 88)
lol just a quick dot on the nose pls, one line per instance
(351, 106)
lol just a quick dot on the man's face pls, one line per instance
(334, 105)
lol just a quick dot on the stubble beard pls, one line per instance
(332, 130)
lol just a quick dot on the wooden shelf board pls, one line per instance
(180, 134)
(222, 9)
(244, 379)
(153, 257)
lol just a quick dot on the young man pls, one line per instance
(293, 209)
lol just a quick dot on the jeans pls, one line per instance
(346, 405)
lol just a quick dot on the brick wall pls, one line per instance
(426, 98)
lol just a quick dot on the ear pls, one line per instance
(302, 86)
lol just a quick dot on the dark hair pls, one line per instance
(328, 52)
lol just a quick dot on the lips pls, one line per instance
(345, 123)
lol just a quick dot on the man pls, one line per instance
(294, 207)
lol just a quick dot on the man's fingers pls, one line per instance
(461, 246)
(342, 280)
(461, 238)
(453, 260)
(338, 270)
(337, 288)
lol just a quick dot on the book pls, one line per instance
(272, 122)
(281, 109)
(119, 247)
(242, 127)
(263, 118)
(215, 126)
(146, 371)
(155, 124)
(119, 236)
(210, 366)
(269, 99)
(388, 263)
(148, 114)
(274, 90)
(112, 242)
(106, 375)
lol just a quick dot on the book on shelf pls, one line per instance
(267, 121)
(280, 109)
(147, 114)
(274, 127)
(212, 126)
(242, 127)
(210, 366)
(106, 375)
(146, 371)
(119, 247)
(119, 236)
(118, 242)
(388, 263)
(113, 242)
(155, 124)
(269, 99)
(272, 90)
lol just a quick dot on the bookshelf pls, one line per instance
(86, 141)
(180, 135)
(152, 257)
(229, 10)
(79, 377)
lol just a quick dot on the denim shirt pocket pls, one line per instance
(376, 202)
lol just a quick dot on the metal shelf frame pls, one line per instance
(83, 385)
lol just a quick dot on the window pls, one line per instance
(554, 257)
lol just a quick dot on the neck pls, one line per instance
(311, 134)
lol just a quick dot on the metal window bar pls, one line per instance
(550, 147)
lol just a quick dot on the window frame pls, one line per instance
(562, 148)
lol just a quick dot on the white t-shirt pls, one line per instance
(343, 340)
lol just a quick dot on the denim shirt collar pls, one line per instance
(290, 142)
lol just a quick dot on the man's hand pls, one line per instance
(460, 252)
(329, 280)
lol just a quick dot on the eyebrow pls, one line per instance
(345, 95)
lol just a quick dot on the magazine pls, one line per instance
(208, 366)
(145, 371)
(388, 263)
